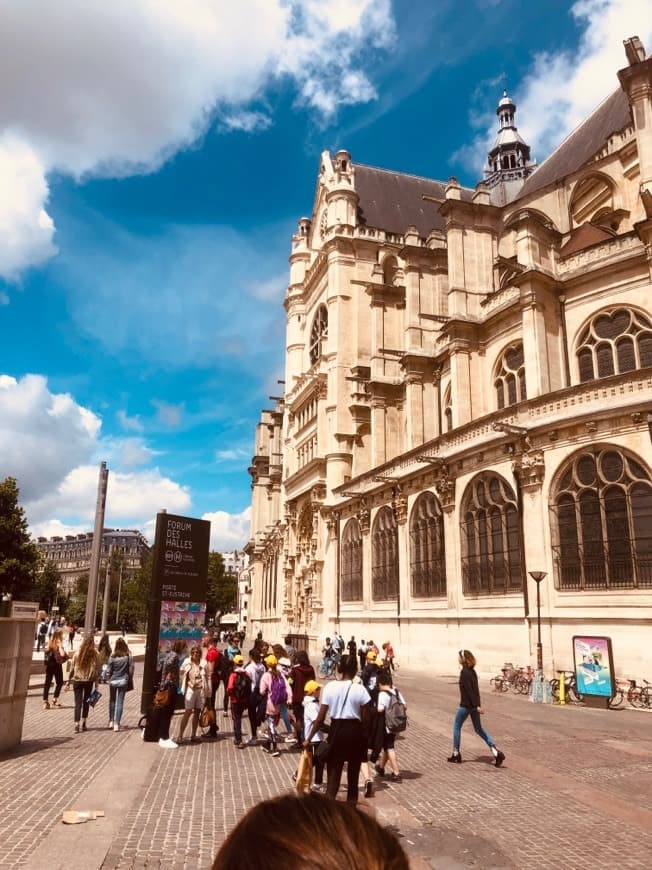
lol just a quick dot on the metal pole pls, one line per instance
(117, 610)
(107, 592)
(96, 552)
(539, 644)
(154, 621)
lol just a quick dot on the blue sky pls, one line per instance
(155, 159)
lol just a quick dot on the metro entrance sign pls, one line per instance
(181, 558)
(177, 604)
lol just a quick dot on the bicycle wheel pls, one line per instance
(646, 697)
(554, 689)
(617, 699)
(634, 698)
(522, 685)
(573, 695)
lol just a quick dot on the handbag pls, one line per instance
(304, 773)
(206, 718)
(130, 678)
(322, 750)
(162, 697)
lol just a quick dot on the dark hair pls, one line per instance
(254, 655)
(301, 658)
(120, 650)
(468, 658)
(384, 678)
(279, 651)
(309, 832)
(287, 640)
(347, 666)
(179, 646)
(105, 644)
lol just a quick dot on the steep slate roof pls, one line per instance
(582, 144)
(392, 201)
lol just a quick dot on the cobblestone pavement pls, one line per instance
(575, 790)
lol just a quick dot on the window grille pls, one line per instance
(510, 377)
(602, 519)
(427, 553)
(616, 341)
(352, 562)
(491, 564)
(384, 560)
(318, 334)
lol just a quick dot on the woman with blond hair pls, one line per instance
(470, 706)
(120, 672)
(196, 692)
(55, 656)
(84, 676)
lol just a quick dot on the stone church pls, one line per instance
(467, 403)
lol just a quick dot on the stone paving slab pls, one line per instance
(575, 789)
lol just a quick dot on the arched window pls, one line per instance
(615, 341)
(510, 377)
(491, 561)
(427, 556)
(318, 333)
(602, 522)
(384, 556)
(352, 562)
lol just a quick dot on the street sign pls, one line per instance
(181, 563)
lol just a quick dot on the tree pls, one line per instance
(18, 555)
(222, 590)
(46, 586)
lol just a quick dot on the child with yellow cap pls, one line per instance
(310, 710)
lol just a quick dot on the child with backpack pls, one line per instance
(310, 711)
(239, 691)
(275, 687)
(392, 706)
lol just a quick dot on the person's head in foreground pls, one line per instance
(309, 832)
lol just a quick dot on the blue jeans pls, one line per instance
(460, 718)
(116, 701)
(285, 716)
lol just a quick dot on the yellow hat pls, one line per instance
(311, 687)
(270, 661)
(237, 660)
(371, 656)
(380, 660)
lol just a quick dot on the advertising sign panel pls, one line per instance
(594, 669)
(182, 565)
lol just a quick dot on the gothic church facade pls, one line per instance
(468, 398)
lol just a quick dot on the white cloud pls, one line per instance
(246, 121)
(565, 86)
(132, 498)
(43, 435)
(130, 424)
(132, 452)
(167, 414)
(232, 454)
(229, 531)
(117, 88)
(26, 229)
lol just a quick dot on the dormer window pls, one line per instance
(318, 334)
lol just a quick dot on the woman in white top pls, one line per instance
(196, 691)
(343, 700)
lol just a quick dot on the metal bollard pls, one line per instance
(562, 688)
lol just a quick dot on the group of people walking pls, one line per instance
(84, 672)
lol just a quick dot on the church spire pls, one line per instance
(508, 162)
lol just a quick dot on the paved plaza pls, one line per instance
(575, 790)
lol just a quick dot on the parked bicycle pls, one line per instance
(635, 695)
(515, 678)
(570, 689)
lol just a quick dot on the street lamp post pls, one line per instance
(538, 576)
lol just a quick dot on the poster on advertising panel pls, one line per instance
(594, 670)
(182, 545)
(180, 620)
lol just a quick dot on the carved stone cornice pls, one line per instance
(530, 468)
(364, 516)
(445, 487)
(399, 505)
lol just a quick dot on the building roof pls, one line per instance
(612, 115)
(393, 201)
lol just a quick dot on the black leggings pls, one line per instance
(166, 716)
(83, 688)
(348, 746)
(53, 672)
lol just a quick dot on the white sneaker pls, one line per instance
(167, 744)
(116, 726)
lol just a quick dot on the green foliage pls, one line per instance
(134, 599)
(18, 555)
(222, 590)
(75, 610)
(46, 586)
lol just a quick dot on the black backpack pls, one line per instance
(242, 687)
